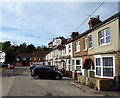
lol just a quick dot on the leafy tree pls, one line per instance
(31, 48)
(1, 46)
(5, 46)
(39, 48)
(12, 50)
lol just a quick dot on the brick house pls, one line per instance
(99, 51)
(94, 58)
(27, 59)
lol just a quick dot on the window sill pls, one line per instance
(85, 49)
(102, 77)
(77, 51)
(105, 44)
(90, 48)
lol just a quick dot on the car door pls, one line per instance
(42, 73)
(50, 73)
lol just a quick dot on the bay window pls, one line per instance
(104, 66)
(78, 65)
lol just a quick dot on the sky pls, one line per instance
(38, 23)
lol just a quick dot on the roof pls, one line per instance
(40, 53)
(25, 55)
(62, 38)
(35, 54)
(96, 26)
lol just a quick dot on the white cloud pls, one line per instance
(39, 22)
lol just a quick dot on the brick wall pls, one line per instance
(117, 64)
(18, 64)
(82, 52)
(104, 84)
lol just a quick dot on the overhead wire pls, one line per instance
(90, 15)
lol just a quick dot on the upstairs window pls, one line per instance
(69, 48)
(78, 46)
(104, 37)
(90, 41)
(85, 44)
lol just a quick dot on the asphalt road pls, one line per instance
(18, 82)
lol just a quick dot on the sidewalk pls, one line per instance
(87, 89)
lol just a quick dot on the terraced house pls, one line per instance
(54, 56)
(94, 55)
(98, 50)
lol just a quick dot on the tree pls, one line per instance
(31, 48)
(5, 46)
(39, 48)
(1, 46)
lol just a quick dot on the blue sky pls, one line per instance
(38, 23)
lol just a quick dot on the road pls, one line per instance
(18, 82)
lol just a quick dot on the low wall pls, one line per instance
(104, 85)
(100, 84)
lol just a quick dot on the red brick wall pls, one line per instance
(18, 64)
(82, 52)
(117, 64)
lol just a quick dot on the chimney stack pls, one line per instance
(94, 21)
(74, 35)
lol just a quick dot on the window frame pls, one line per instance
(90, 42)
(78, 71)
(77, 46)
(101, 66)
(69, 48)
(104, 37)
(85, 43)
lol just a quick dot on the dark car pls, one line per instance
(37, 65)
(33, 66)
(4, 65)
(46, 73)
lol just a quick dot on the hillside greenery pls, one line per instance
(12, 50)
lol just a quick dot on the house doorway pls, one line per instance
(88, 64)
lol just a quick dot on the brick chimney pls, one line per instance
(94, 21)
(74, 35)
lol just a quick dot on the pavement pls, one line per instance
(87, 89)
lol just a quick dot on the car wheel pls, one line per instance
(57, 77)
(36, 77)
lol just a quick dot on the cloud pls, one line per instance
(39, 22)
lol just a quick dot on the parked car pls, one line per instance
(4, 65)
(52, 66)
(33, 66)
(37, 65)
(10, 66)
(46, 72)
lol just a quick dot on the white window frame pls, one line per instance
(78, 65)
(35, 58)
(101, 62)
(85, 43)
(104, 37)
(69, 48)
(90, 42)
(77, 46)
